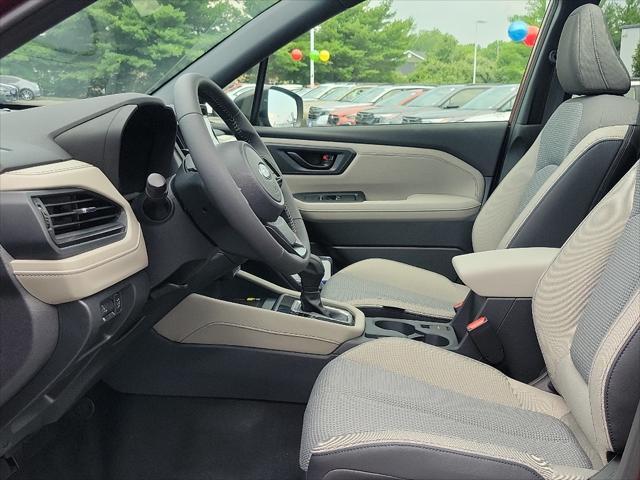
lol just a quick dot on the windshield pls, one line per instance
(116, 46)
(317, 92)
(492, 99)
(432, 97)
(371, 95)
(336, 93)
(395, 99)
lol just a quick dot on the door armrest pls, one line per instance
(512, 272)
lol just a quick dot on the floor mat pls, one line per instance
(166, 438)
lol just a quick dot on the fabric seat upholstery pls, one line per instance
(398, 408)
(584, 148)
(427, 400)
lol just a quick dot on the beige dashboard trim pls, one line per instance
(73, 278)
(204, 320)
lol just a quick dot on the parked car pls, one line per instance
(8, 93)
(497, 100)
(319, 116)
(347, 115)
(456, 98)
(341, 93)
(27, 90)
(446, 96)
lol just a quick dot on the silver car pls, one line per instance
(8, 93)
(27, 90)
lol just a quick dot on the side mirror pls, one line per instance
(279, 107)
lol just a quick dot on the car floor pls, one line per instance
(117, 436)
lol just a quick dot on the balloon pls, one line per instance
(296, 55)
(518, 30)
(324, 55)
(314, 55)
(532, 36)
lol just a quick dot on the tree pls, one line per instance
(366, 43)
(635, 65)
(535, 11)
(619, 13)
(129, 46)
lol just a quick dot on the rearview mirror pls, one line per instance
(279, 108)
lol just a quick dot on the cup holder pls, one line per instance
(404, 328)
(414, 330)
(435, 340)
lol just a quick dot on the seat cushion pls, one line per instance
(376, 282)
(403, 408)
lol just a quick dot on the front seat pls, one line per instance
(399, 408)
(583, 150)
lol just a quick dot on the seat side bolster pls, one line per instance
(419, 456)
(570, 189)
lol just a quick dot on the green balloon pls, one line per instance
(314, 55)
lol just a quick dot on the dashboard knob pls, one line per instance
(156, 188)
(156, 205)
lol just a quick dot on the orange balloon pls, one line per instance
(532, 36)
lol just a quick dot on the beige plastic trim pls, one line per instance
(73, 278)
(512, 272)
(400, 183)
(204, 320)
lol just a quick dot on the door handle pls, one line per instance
(325, 161)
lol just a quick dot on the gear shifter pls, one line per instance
(311, 277)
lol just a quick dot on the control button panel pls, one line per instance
(111, 307)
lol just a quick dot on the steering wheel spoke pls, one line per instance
(285, 236)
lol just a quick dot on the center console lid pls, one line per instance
(512, 272)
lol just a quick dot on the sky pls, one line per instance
(458, 17)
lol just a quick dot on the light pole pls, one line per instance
(475, 50)
(312, 67)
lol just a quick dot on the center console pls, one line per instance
(494, 324)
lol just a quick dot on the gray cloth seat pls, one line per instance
(399, 408)
(584, 148)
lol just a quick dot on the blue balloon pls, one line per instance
(518, 30)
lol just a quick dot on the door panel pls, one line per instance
(397, 183)
(408, 193)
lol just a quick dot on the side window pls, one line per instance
(463, 96)
(382, 61)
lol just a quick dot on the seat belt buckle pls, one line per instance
(458, 306)
(486, 340)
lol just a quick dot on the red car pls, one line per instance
(347, 115)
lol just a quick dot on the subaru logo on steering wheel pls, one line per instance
(264, 171)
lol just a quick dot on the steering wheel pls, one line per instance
(241, 178)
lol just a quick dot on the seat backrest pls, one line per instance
(587, 317)
(582, 151)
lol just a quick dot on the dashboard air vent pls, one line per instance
(75, 216)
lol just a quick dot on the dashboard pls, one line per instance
(82, 271)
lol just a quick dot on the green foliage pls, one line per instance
(366, 44)
(619, 13)
(635, 65)
(115, 46)
(534, 13)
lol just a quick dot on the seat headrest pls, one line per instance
(588, 63)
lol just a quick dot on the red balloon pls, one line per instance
(296, 55)
(532, 36)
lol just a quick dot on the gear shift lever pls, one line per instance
(311, 277)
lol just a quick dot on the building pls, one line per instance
(412, 59)
(629, 41)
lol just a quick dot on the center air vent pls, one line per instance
(78, 216)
